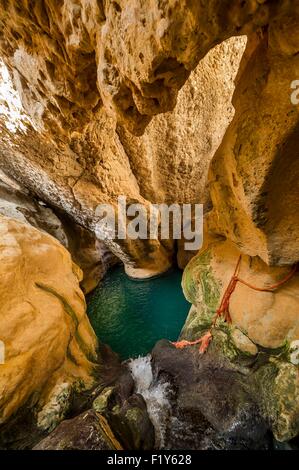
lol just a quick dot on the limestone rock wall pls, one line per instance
(254, 174)
(93, 76)
(94, 165)
(75, 64)
(133, 57)
(91, 255)
(172, 157)
(50, 347)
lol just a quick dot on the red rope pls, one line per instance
(223, 309)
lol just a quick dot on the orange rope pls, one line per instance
(223, 309)
(275, 286)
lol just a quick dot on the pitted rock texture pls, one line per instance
(254, 174)
(96, 165)
(70, 57)
(75, 62)
(90, 73)
(268, 319)
(146, 58)
(50, 347)
(89, 253)
(172, 157)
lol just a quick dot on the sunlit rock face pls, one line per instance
(146, 58)
(75, 64)
(69, 57)
(89, 253)
(81, 124)
(254, 174)
(77, 154)
(50, 347)
(76, 175)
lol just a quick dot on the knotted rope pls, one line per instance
(223, 310)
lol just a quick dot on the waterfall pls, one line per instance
(155, 394)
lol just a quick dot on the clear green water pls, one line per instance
(131, 316)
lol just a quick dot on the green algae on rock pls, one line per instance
(277, 385)
(51, 349)
(272, 379)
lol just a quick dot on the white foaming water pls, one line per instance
(155, 394)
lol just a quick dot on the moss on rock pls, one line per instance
(277, 385)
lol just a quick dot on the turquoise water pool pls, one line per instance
(131, 316)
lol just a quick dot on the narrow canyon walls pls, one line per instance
(93, 78)
(75, 159)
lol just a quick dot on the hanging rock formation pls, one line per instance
(89, 253)
(76, 157)
(73, 63)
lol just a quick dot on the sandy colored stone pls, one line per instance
(89, 253)
(130, 66)
(50, 348)
(132, 62)
(92, 166)
(71, 144)
(267, 318)
(78, 184)
(243, 343)
(172, 157)
(255, 173)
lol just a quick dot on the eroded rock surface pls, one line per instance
(263, 330)
(50, 347)
(90, 74)
(213, 406)
(254, 174)
(131, 65)
(83, 159)
(121, 56)
(89, 253)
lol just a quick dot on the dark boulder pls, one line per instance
(212, 406)
(85, 432)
